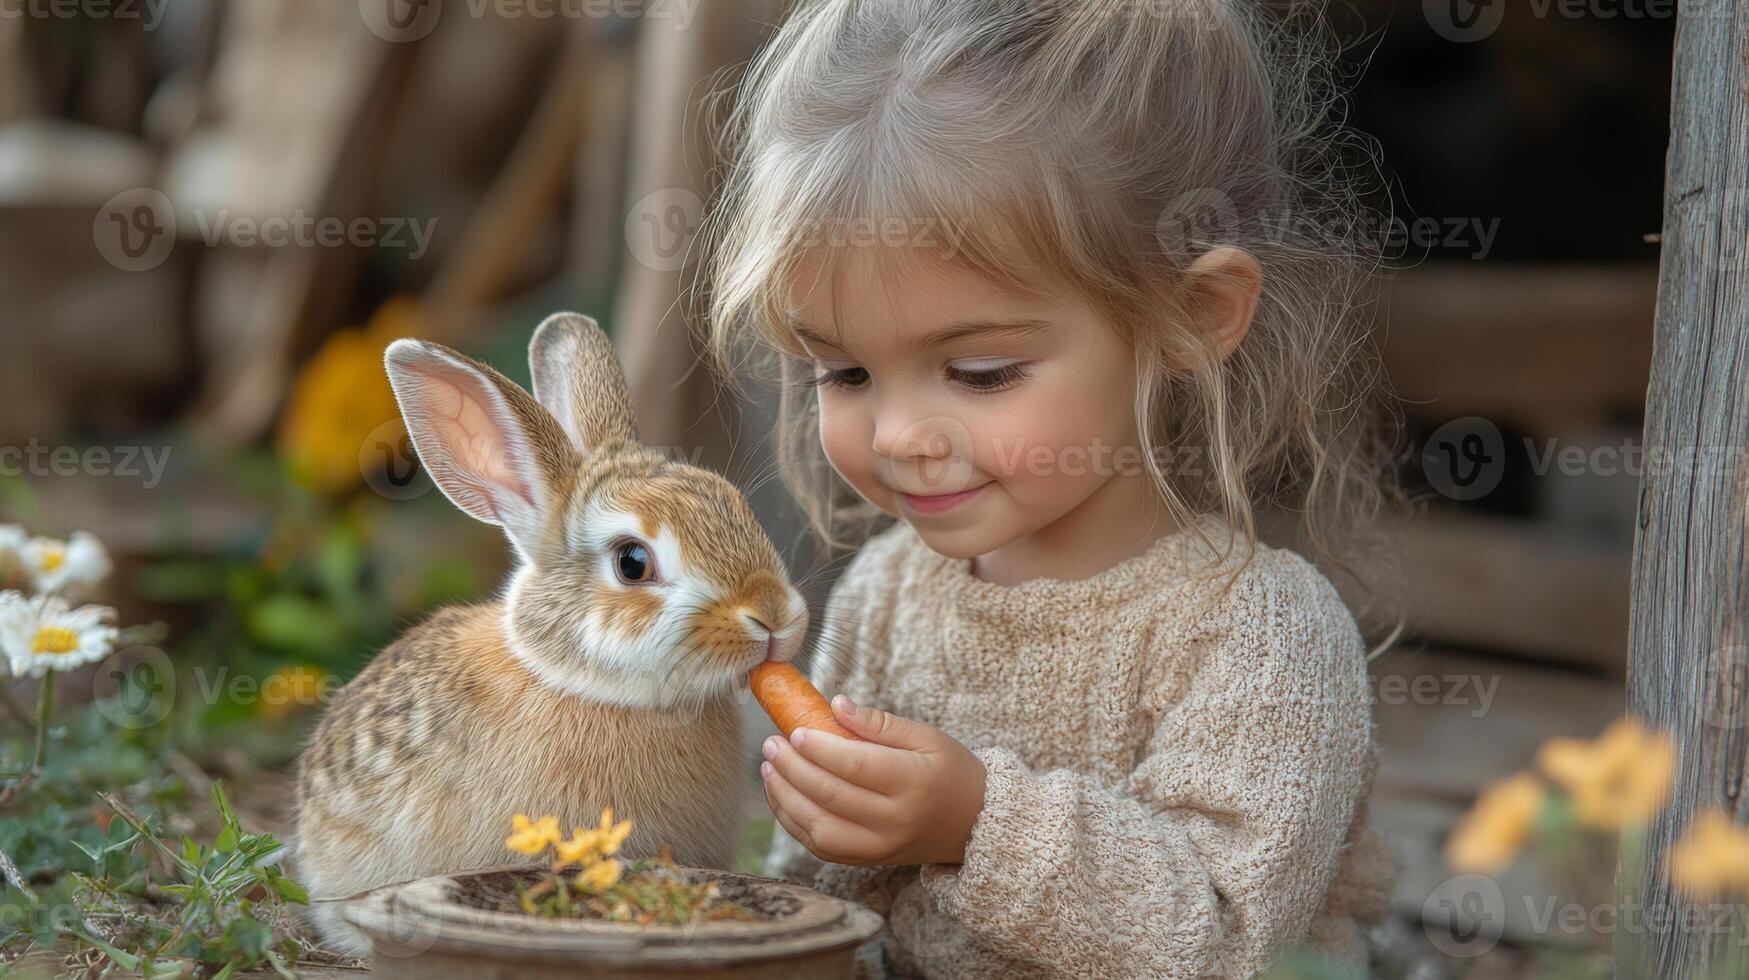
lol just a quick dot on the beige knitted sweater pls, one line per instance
(1177, 775)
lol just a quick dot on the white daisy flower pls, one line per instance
(65, 567)
(44, 633)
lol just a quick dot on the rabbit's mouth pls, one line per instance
(758, 655)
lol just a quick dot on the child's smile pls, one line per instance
(937, 503)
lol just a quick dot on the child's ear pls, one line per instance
(1223, 285)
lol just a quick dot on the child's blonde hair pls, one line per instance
(1103, 144)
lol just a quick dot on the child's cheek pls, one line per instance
(1046, 454)
(848, 448)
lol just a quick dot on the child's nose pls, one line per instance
(905, 435)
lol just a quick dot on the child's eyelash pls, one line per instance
(983, 382)
(831, 379)
(990, 379)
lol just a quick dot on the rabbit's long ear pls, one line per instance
(489, 446)
(579, 379)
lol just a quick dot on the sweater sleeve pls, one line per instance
(1215, 853)
(848, 655)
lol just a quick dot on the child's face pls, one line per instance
(1026, 412)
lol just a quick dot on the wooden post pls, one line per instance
(1688, 654)
(671, 166)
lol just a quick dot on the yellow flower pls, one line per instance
(580, 848)
(1622, 778)
(1495, 829)
(340, 397)
(532, 837)
(1712, 858)
(291, 687)
(612, 835)
(598, 876)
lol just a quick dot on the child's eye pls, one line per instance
(988, 379)
(852, 377)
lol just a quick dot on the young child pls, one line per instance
(1069, 288)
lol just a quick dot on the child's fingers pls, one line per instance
(884, 727)
(791, 828)
(826, 834)
(828, 791)
(783, 818)
(865, 764)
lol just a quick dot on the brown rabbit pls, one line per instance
(607, 674)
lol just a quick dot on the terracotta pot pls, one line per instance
(443, 927)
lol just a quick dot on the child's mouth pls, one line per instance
(938, 503)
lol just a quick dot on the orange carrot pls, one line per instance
(791, 701)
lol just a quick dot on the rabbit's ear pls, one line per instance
(579, 379)
(489, 446)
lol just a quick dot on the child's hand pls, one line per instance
(908, 795)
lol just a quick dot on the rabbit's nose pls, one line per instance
(756, 623)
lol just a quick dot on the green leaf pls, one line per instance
(190, 851)
(160, 970)
(297, 625)
(227, 841)
(279, 965)
(181, 581)
(291, 891)
(244, 584)
(340, 562)
(248, 936)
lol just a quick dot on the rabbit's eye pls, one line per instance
(632, 562)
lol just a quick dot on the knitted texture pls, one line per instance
(1178, 763)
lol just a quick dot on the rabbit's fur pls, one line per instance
(578, 689)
